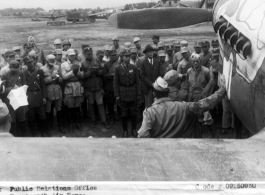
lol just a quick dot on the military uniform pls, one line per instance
(36, 92)
(13, 80)
(127, 88)
(108, 72)
(53, 79)
(93, 87)
(73, 90)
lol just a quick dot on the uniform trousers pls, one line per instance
(57, 104)
(73, 101)
(128, 108)
(36, 111)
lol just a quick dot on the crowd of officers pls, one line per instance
(91, 83)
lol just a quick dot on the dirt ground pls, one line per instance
(16, 31)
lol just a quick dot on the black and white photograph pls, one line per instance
(130, 92)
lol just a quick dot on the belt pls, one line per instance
(127, 85)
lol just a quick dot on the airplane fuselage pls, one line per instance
(240, 28)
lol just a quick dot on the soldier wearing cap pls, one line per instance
(159, 122)
(32, 54)
(185, 63)
(127, 46)
(169, 54)
(58, 53)
(150, 70)
(73, 90)
(127, 91)
(108, 74)
(176, 45)
(5, 121)
(197, 47)
(107, 50)
(53, 80)
(137, 43)
(15, 78)
(134, 57)
(17, 50)
(215, 44)
(37, 94)
(100, 55)
(57, 44)
(178, 56)
(155, 39)
(179, 89)
(38, 51)
(161, 46)
(116, 45)
(9, 55)
(93, 86)
(206, 54)
(27, 47)
(66, 45)
(162, 60)
(81, 56)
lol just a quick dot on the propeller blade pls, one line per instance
(159, 18)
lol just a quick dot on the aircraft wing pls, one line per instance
(106, 159)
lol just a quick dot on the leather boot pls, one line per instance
(48, 119)
(124, 127)
(133, 121)
(44, 128)
(18, 130)
(32, 128)
(60, 123)
(13, 129)
(78, 119)
(92, 114)
(70, 119)
(103, 116)
(23, 128)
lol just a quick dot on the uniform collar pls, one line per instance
(161, 100)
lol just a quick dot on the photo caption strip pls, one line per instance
(109, 188)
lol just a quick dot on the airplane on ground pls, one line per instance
(54, 15)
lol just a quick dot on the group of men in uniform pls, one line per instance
(128, 76)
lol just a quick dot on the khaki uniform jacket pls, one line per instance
(54, 91)
(172, 119)
(73, 85)
(126, 82)
(198, 79)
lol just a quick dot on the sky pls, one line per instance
(66, 4)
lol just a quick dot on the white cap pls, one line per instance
(127, 45)
(57, 42)
(160, 85)
(71, 52)
(195, 56)
(50, 57)
(32, 53)
(136, 39)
